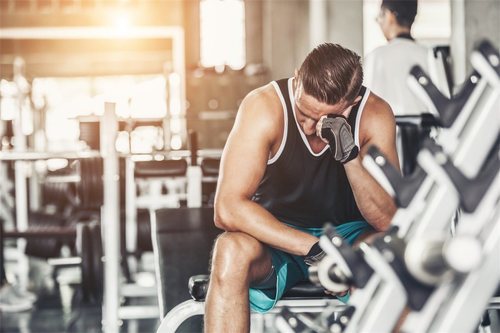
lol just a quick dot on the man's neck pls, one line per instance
(316, 144)
(397, 31)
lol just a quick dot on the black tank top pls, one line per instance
(302, 188)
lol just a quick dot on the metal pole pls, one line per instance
(110, 219)
(130, 213)
(318, 22)
(20, 172)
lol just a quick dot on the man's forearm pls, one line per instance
(373, 201)
(246, 216)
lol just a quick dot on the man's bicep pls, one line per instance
(381, 132)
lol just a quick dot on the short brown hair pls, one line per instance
(331, 74)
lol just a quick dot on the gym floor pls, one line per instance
(59, 306)
(49, 316)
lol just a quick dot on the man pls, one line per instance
(279, 182)
(387, 67)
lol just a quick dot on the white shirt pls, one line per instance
(386, 70)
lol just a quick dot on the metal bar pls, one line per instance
(110, 219)
(130, 213)
(151, 32)
(20, 145)
(36, 155)
(40, 233)
(65, 262)
(133, 290)
(138, 312)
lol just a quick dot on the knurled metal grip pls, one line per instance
(352, 259)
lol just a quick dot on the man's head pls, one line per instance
(397, 16)
(331, 74)
(328, 82)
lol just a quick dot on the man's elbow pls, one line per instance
(382, 225)
(224, 216)
(379, 219)
(384, 222)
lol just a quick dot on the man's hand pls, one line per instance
(336, 131)
(314, 255)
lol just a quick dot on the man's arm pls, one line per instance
(258, 129)
(378, 127)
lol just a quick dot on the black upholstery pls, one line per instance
(305, 289)
(198, 286)
(184, 238)
(413, 130)
(210, 167)
(165, 168)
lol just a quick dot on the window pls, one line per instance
(138, 97)
(222, 35)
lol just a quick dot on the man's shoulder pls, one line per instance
(378, 51)
(376, 108)
(399, 45)
(262, 108)
(262, 99)
(377, 117)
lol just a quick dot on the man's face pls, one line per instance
(384, 21)
(309, 110)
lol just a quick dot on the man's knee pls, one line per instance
(234, 253)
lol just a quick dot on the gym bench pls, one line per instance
(305, 297)
(182, 243)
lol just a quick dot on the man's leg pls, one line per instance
(238, 260)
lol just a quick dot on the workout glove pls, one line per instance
(337, 131)
(315, 255)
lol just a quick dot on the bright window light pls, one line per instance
(222, 24)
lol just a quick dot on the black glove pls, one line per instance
(314, 255)
(337, 131)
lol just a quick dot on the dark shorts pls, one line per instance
(290, 269)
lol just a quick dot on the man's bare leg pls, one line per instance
(238, 260)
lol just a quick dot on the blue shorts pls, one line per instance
(290, 269)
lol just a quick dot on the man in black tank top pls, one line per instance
(291, 164)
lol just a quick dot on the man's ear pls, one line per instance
(391, 17)
(347, 111)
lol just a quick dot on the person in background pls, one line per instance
(387, 69)
(388, 66)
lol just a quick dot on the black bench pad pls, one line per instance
(198, 285)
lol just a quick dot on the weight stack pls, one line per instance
(44, 247)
